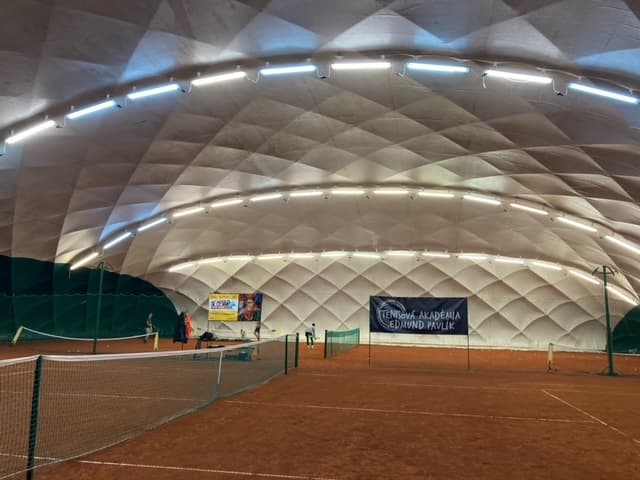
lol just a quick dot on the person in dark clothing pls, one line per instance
(180, 330)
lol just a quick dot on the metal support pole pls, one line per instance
(95, 336)
(297, 353)
(286, 354)
(607, 271)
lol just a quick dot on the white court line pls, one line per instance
(593, 417)
(453, 387)
(413, 412)
(205, 470)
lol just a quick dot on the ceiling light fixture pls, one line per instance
(84, 261)
(117, 240)
(347, 191)
(172, 87)
(623, 244)
(436, 254)
(306, 193)
(548, 266)
(152, 224)
(188, 211)
(537, 211)
(621, 295)
(182, 266)
(400, 253)
(89, 110)
(579, 225)
(268, 71)
(391, 191)
(301, 256)
(365, 255)
(518, 77)
(434, 67)
(488, 201)
(209, 261)
(435, 194)
(515, 261)
(472, 256)
(225, 77)
(240, 258)
(584, 276)
(603, 93)
(30, 131)
(268, 196)
(226, 203)
(361, 65)
(270, 257)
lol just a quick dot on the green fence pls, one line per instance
(338, 342)
(54, 408)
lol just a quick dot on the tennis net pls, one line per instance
(568, 359)
(337, 342)
(54, 407)
(43, 342)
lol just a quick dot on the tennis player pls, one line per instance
(310, 333)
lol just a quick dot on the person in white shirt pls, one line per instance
(310, 333)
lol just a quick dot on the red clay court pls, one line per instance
(413, 414)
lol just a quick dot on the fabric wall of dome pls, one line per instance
(510, 306)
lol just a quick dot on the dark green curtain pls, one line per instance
(48, 297)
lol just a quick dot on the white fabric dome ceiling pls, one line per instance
(68, 190)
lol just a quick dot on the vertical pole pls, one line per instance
(286, 354)
(297, 352)
(95, 335)
(468, 354)
(325, 343)
(369, 343)
(220, 367)
(609, 336)
(33, 427)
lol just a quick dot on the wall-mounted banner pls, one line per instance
(233, 307)
(223, 307)
(429, 316)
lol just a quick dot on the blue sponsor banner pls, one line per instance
(429, 316)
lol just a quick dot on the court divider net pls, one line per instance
(58, 407)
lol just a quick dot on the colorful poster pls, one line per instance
(250, 307)
(223, 307)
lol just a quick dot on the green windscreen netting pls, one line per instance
(336, 342)
(49, 298)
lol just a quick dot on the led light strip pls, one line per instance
(620, 293)
(443, 65)
(382, 191)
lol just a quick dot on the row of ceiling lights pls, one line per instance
(475, 257)
(355, 192)
(306, 68)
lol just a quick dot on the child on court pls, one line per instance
(310, 333)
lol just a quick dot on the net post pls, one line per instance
(325, 344)
(550, 358)
(95, 337)
(468, 354)
(33, 424)
(369, 344)
(17, 335)
(297, 353)
(220, 367)
(156, 341)
(286, 354)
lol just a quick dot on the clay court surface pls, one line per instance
(412, 414)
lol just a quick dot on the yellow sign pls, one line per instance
(223, 307)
